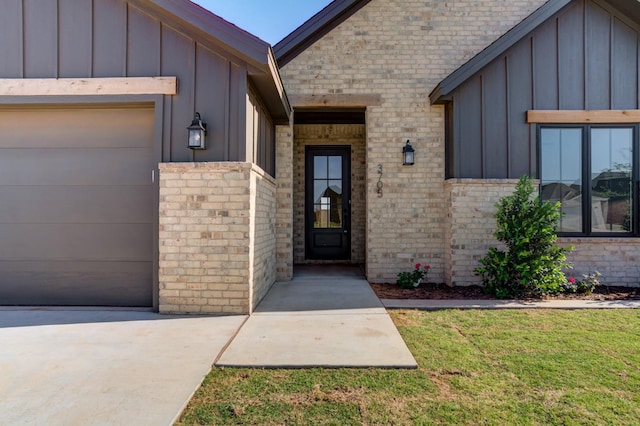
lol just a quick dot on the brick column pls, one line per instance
(214, 222)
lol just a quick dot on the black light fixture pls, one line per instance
(407, 152)
(197, 133)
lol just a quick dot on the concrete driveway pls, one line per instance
(104, 367)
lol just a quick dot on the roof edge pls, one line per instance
(239, 42)
(441, 93)
(315, 28)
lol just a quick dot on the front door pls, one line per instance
(328, 199)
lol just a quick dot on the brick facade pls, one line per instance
(396, 51)
(617, 259)
(217, 237)
(328, 135)
(469, 234)
(284, 202)
(471, 205)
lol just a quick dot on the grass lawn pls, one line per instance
(476, 367)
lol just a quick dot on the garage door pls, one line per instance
(76, 206)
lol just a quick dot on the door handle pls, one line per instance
(345, 231)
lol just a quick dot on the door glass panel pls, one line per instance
(335, 167)
(335, 186)
(611, 159)
(320, 167)
(327, 192)
(319, 189)
(561, 164)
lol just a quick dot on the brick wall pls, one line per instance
(215, 223)
(617, 259)
(470, 225)
(263, 231)
(337, 134)
(399, 50)
(284, 202)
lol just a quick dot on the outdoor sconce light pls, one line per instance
(407, 152)
(197, 132)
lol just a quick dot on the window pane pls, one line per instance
(611, 159)
(320, 167)
(321, 213)
(335, 167)
(561, 168)
(319, 190)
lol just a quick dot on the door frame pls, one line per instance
(345, 151)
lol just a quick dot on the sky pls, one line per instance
(270, 20)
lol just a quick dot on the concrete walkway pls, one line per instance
(323, 317)
(509, 304)
(104, 367)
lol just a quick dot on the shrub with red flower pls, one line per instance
(412, 279)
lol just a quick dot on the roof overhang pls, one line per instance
(315, 28)
(193, 19)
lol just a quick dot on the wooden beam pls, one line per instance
(88, 86)
(577, 116)
(337, 100)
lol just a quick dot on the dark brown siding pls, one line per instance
(585, 57)
(112, 38)
(260, 135)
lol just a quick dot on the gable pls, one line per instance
(626, 11)
(315, 28)
(584, 57)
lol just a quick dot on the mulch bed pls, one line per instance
(443, 291)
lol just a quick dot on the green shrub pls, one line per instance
(532, 264)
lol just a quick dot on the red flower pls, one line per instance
(572, 280)
(427, 267)
(417, 266)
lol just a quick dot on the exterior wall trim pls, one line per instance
(334, 101)
(576, 116)
(88, 86)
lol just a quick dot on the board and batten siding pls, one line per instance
(583, 58)
(114, 38)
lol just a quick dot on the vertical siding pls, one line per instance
(520, 99)
(75, 52)
(545, 66)
(143, 46)
(11, 41)
(624, 63)
(468, 128)
(212, 99)
(598, 61)
(112, 38)
(109, 38)
(260, 134)
(41, 43)
(571, 57)
(178, 54)
(585, 57)
(495, 150)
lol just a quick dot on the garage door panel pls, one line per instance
(122, 166)
(106, 242)
(109, 128)
(55, 283)
(76, 204)
(77, 210)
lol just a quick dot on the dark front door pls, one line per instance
(328, 199)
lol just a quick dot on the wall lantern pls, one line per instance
(407, 152)
(197, 132)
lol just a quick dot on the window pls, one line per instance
(591, 170)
